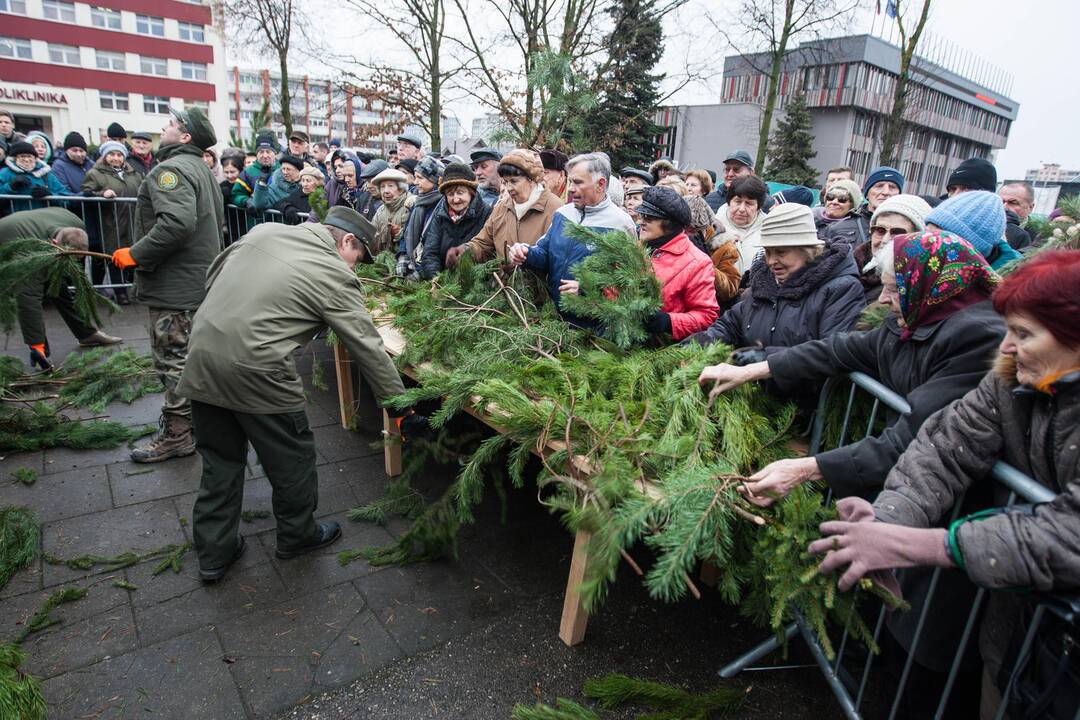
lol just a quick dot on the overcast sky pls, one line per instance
(1033, 40)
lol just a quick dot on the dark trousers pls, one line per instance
(286, 448)
(32, 321)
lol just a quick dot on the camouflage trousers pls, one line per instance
(170, 331)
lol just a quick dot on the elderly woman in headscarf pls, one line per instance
(426, 174)
(1025, 412)
(899, 215)
(802, 289)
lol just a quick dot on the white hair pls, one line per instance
(596, 164)
(883, 260)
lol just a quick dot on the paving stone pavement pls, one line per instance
(466, 637)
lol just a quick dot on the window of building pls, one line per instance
(63, 54)
(13, 6)
(113, 100)
(150, 25)
(110, 60)
(155, 104)
(18, 48)
(153, 66)
(58, 10)
(105, 18)
(192, 32)
(193, 70)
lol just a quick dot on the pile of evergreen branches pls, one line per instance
(631, 449)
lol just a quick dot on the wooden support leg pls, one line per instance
(709, 575)
(391, 446)
(574, 616)
(346, 395)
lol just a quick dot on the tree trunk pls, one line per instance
(435, 107)
(773, 88)
(286, 99)
(896, 121)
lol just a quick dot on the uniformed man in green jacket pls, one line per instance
(179, 214)
(60, 227)
(268, 295)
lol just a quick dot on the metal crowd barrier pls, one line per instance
(850, 688)
(110, 225)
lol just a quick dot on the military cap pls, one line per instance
(664, 203)
(198, 126)
(637, 173)
(411, 139)
(479, 156)
(347, 219)
(373, 168)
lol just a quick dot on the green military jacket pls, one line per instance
(40, 224)
(266, 296)
(178, 221)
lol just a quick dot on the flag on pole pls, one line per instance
(890, 8)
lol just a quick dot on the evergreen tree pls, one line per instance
(791, 146)
(622, 123)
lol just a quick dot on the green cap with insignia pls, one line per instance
(198, 126)
(347, 219)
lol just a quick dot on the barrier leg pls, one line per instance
(831, 678)
(346, 395)
(771, 645)
(574, 616)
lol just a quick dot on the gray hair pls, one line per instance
(596, 164)
(1028, 192)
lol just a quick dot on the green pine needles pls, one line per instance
(27, 261)
(20, 693)
(318, 203)
(617, 285)
(40, 426)
(98, 377)
(19, 533)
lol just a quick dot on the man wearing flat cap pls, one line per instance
(409, 147)
(633, 177)
(179, 214)
(266, 296)
(485, 163)
(299, 144)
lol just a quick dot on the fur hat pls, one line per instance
(848, 186)
(789, 225)
(977, 216)
(526, 162)
(662, 164)
(553, 159)
(457, 174)
(21, 148)
(912, 207)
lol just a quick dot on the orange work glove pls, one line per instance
(122, 259)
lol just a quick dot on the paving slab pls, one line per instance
(61, 495)
(134, 483)
(185, 677)
(138, 528)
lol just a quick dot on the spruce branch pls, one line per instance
(20, 530)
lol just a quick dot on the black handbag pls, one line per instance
(1044, 681)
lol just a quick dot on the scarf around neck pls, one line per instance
(521, 208)
(938, 274)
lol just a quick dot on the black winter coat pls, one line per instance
(1016, 236)
(940, 363)
(293, 203)
(822, 298)
(853, 230)
(442, 234)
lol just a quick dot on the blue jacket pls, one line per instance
(556, 253)
(270, 193)
(16, 181)
(1002, 254)
(69, 174)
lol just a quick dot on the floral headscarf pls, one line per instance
(937, 274)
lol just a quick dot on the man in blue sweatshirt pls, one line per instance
(556, 252)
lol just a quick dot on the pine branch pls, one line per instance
(564, 710)
(20, 693)
(43, 617)
(19, 533)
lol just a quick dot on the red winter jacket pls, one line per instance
(688, 290)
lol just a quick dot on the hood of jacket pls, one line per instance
(835, 261)
(40, 169)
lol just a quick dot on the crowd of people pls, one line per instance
(980, 336)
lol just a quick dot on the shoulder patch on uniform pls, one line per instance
(167, 180)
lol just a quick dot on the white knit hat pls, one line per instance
(789, 225)
(912, 207)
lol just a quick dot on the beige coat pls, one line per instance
(503, 229)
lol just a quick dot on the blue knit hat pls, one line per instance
(977, 216)
(881, 174)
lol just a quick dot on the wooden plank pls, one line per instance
(346, 393)
(574, 617)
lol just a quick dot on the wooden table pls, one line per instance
(574, 616)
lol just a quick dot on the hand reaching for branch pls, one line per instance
(728, 377)
(776, 480)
